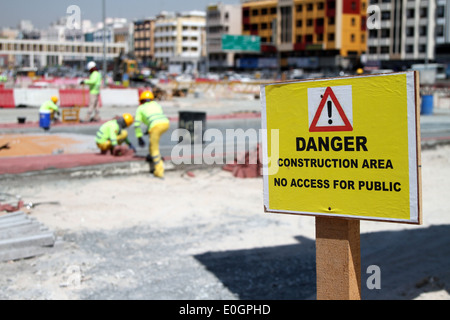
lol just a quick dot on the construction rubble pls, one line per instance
(22, 236)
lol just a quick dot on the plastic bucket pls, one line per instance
(427, 104)
(44, 119)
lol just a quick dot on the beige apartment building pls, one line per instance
(180, 40)
(144, 42)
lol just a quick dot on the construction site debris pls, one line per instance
(5, 146)
(248, 165)
(22, 236)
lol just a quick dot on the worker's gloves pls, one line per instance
(141, 142)
(132, 147)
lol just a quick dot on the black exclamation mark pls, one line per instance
(329, 112)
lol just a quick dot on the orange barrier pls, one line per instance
(7, 98)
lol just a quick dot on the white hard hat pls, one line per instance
(91, 65)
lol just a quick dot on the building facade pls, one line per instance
(407, 33)
(221, 19)
(180, 40)
(309, 33)
(144, 42)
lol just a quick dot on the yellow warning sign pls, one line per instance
(346, 147)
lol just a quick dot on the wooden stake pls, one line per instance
(338, 259)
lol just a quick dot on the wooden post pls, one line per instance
(338, 259)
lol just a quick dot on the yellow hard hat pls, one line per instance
(128, 118)
(54, 99)
(146, 95)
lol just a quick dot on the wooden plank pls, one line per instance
(338, 259)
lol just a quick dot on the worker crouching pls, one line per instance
(113, 133)
(51, 107)
(150, 114)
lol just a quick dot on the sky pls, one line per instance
(43, 12)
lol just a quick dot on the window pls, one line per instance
(440, 12)
(410, 31)
(439, 30)
(331, 37)
(299, 23)
(309, 22)
(299, 8)
(384, 49)
(423, 30)
(423, 12)
(385, 33)
(385, 15)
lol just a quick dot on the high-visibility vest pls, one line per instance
(49, 106)
(94, 82)
(108, 131)
(150, 114)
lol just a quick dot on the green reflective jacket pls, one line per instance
(94, 82)
(49, 106)
(150, 114)
(108, 131)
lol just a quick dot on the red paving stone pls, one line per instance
(16, 165)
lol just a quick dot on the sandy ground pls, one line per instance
(202, 234)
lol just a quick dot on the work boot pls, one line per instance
(159, 170)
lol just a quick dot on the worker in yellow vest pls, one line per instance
(52, 107)
(150, 114)
(113, 133)
(94, 82)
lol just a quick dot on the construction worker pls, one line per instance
(94, 82)
(52, 107)
(151, 114)
(113, 133)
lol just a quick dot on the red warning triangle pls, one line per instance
(347, 125)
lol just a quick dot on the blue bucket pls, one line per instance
(44, 119)
(427, 104)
